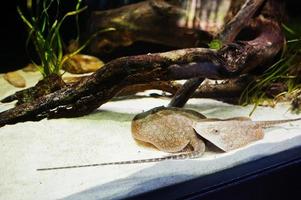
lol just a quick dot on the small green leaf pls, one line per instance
(216, 44)
(288, 29)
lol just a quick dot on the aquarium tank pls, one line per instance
(150, 99)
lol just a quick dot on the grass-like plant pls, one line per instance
(283, 71)
(44, 20)
(44, 33)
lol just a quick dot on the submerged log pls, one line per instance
(82, 98)
(45, 86)
(226, 36)
(227, 91)
(163, 22)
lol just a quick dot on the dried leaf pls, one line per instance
(73, 79)
(15, 79)
(30, 68)
(80, 64)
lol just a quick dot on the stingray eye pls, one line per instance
(215, 131)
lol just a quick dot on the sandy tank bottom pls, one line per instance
(105, 136)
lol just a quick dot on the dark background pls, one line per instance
(13, 34)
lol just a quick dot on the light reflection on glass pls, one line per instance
(206, 15)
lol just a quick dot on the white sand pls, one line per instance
(105, 136)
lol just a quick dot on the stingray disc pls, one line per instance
(229, 135)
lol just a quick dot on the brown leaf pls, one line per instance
(80, 64)
(15, 79)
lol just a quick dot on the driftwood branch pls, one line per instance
(166, 86)
(82, 98)
(227, 90)
(154, 21)
(226, 36)
(185, 92)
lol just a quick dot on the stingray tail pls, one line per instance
(180, 156)
(266, 124)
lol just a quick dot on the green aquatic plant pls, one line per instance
(44, 21)
(215, 44)
(44, 33)
(284, 76)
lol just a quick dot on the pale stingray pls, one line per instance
(231, 134)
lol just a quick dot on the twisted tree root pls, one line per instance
(226, 36)
(40, 89)
(227, 90)
(84, 97)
